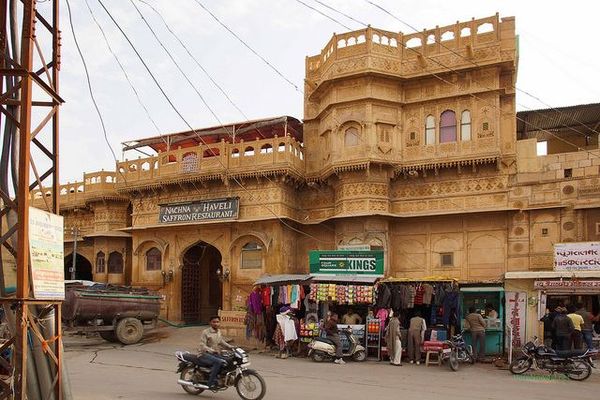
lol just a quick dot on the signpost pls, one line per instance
(345, 262)
(208, 210)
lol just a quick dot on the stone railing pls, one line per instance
(460, 40)
(95, 184)
(212, 160)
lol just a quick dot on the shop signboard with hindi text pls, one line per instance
(516, 307)
(46, 241)
(199, 211)
(577, 256)
(346, 262)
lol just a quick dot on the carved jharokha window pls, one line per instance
(115, 263)
(448, 127)
(430, 130)
(251, 256)
(351, 137)
(153, 260)
(465, 126)
(100, 263)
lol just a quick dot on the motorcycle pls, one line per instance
(576, 365)
(194, 378)
(323, 349)
(457, 351)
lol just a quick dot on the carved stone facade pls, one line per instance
(411, 149)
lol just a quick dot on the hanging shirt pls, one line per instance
(427, 293)
(255, 302)
(266, 296)
(411, 296)
(419, 292)
(382, 315)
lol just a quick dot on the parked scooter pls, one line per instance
(576, 364)
(247, 382)
(322, 349)
(457, 351)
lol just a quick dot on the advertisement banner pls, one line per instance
(200, 211)
(47, 255)
(516, 309)
(346, 262)
(9, 262)
(582, 256)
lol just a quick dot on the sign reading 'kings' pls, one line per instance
(341, 262)
(200, 211)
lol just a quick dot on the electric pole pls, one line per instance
(75, 234)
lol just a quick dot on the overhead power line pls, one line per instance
(323, 14)
(341, 13)
(89, 83)
(450, 69)
(249, 48)
(129, 81)
(195, 59)
(189, 125)
(437, 41)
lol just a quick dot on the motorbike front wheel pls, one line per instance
(359, 356)
(188, 375)
(453, 360)
(520, 365)
(580, 371)
(317, 357)
(250, 385)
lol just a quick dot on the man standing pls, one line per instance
(477, 328)
(416, 334)
(351, 318)
(563, 328)
(331, 330)
(587, 325)
(211, 342)
(578, 323)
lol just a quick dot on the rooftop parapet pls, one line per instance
(482, 41)
(95, 185)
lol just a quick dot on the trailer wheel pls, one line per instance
(129, 330)
(109, 336)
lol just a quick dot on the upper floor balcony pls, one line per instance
(95, 185)
(481, 41)
(214, 161)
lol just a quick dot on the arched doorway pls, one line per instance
(201, 290)
(83, 268)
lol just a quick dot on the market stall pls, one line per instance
(489, 302)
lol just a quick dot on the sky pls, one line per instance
(558, 62)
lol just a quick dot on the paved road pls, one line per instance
(99, 370)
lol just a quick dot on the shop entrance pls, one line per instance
(201, 290)
(83, 268)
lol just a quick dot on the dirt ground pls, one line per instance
(146, 371)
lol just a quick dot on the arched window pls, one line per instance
(153, 260)
(251, 256)
(430, 130)
(448, 127)
(115, 263)
(100, 263)
(351, 137)
(465, 126)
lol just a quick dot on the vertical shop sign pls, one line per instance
(516, 307)
(46, 243)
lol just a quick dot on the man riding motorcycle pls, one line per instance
(211, 343)
(333, 334)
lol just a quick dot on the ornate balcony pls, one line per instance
(277, 155)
